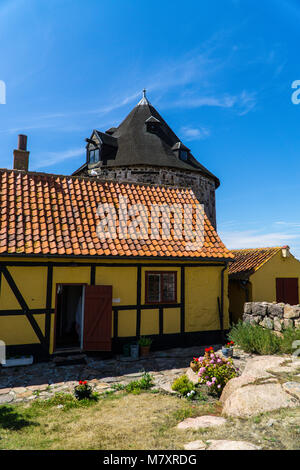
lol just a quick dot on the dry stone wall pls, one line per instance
(277, 317)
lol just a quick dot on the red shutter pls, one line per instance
(287, 290)
(97, 318)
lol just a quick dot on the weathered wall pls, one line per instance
(271, 315)
(203, 187)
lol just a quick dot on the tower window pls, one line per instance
(93, 156)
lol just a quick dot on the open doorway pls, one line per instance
(69, 317)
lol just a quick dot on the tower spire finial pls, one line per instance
(144, 100)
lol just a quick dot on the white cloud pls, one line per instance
(254, 239)
(52, 158)
(190, 133)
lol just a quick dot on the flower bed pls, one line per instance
(214, 371)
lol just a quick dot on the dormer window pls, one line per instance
(93, 155)
(181, 151)
(183, 155)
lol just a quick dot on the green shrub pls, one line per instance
(255, 339)
(215, 371)
(136, 386)
(289, 336)
(183, 385)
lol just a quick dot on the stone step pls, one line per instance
(69, 360)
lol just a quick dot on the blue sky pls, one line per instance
(219, 72)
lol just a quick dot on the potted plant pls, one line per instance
(83, 390)
(145, 344)
(194, 364)
(227, 350)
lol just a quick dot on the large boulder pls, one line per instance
(234, 384)
(252, 400)
(263, 386)
(293, 388)
(258, 367)
(192, 376)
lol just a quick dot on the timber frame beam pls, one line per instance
(48, 311)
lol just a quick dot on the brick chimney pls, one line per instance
(21, 155)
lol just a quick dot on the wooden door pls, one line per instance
(97, 318)
(287, 290)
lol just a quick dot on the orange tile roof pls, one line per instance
(249, 260)
(44, 214)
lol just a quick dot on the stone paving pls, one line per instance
(43, 380)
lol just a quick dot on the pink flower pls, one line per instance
(209, 383)
(202, 370)
(219, 386)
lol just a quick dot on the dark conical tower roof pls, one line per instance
(144, 138)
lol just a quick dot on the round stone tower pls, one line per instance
(144, 149)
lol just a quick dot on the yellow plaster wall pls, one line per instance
(149, 322)
(264, 279)
(202, 289)
(171, 320)
(127, 323)
(123, 281)
(31, 282)
(16, 329)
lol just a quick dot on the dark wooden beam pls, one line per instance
(138, 301)
(24, 305)
(182, 300)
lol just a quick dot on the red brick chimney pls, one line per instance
(21, 155)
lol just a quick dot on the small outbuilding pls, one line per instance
(262, 274)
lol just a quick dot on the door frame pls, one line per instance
(83, 285)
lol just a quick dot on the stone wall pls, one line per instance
(202, 186)
(273, 316)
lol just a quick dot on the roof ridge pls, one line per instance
(261, 248)
(97, 180)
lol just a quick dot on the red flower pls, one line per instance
(80, 382)
(85, 382)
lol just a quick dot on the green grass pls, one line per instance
(125, 421)
(257, 340)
